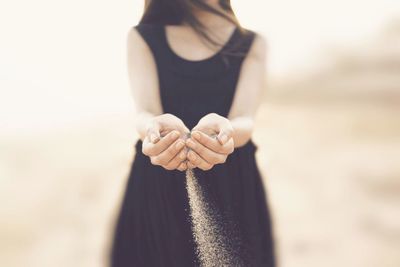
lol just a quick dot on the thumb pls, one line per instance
(185, 130)
(225, 133)
(153, 132)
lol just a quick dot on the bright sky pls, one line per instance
(63, 61)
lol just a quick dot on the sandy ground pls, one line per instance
(332, 172)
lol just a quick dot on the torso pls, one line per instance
(191, 89)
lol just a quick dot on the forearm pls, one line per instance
(242, 129)
(141, 123)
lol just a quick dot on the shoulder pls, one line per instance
(134, 36)
(139, 37)
(144, 27)
(141, 31)
(259, 45)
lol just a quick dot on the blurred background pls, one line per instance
(328, 130)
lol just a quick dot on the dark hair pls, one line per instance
(175, 12)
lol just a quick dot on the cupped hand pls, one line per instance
(210, 142)
(165, 142)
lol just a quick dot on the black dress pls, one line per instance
(153, 227)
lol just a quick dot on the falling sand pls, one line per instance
(210, 235)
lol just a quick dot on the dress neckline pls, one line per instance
(200, 61)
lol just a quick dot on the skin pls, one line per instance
(214, 137)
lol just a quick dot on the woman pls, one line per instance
(197, 78)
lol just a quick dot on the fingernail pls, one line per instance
(152, 138)
(179, 145)
(224, 138)
(190, 165)
(174, 135)
(182, 155)
(192, 144)
(196, 136)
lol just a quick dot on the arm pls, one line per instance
(150, 123)
(249, 92)
(143, 81)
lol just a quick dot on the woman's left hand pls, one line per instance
(210, 143)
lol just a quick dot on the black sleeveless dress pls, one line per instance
(153, 227)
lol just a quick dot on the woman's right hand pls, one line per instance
(165, 142)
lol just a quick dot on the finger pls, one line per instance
(146, 145)
(213, 143)
(190, 165)
(185, 130)
(151, 149)
(206, 153)
(198, 161)
(183, 166)
(168, 154)
(210, 130)
(225, 133)
(175, 162)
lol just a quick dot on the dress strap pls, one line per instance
(245, 40)
(152, 36)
